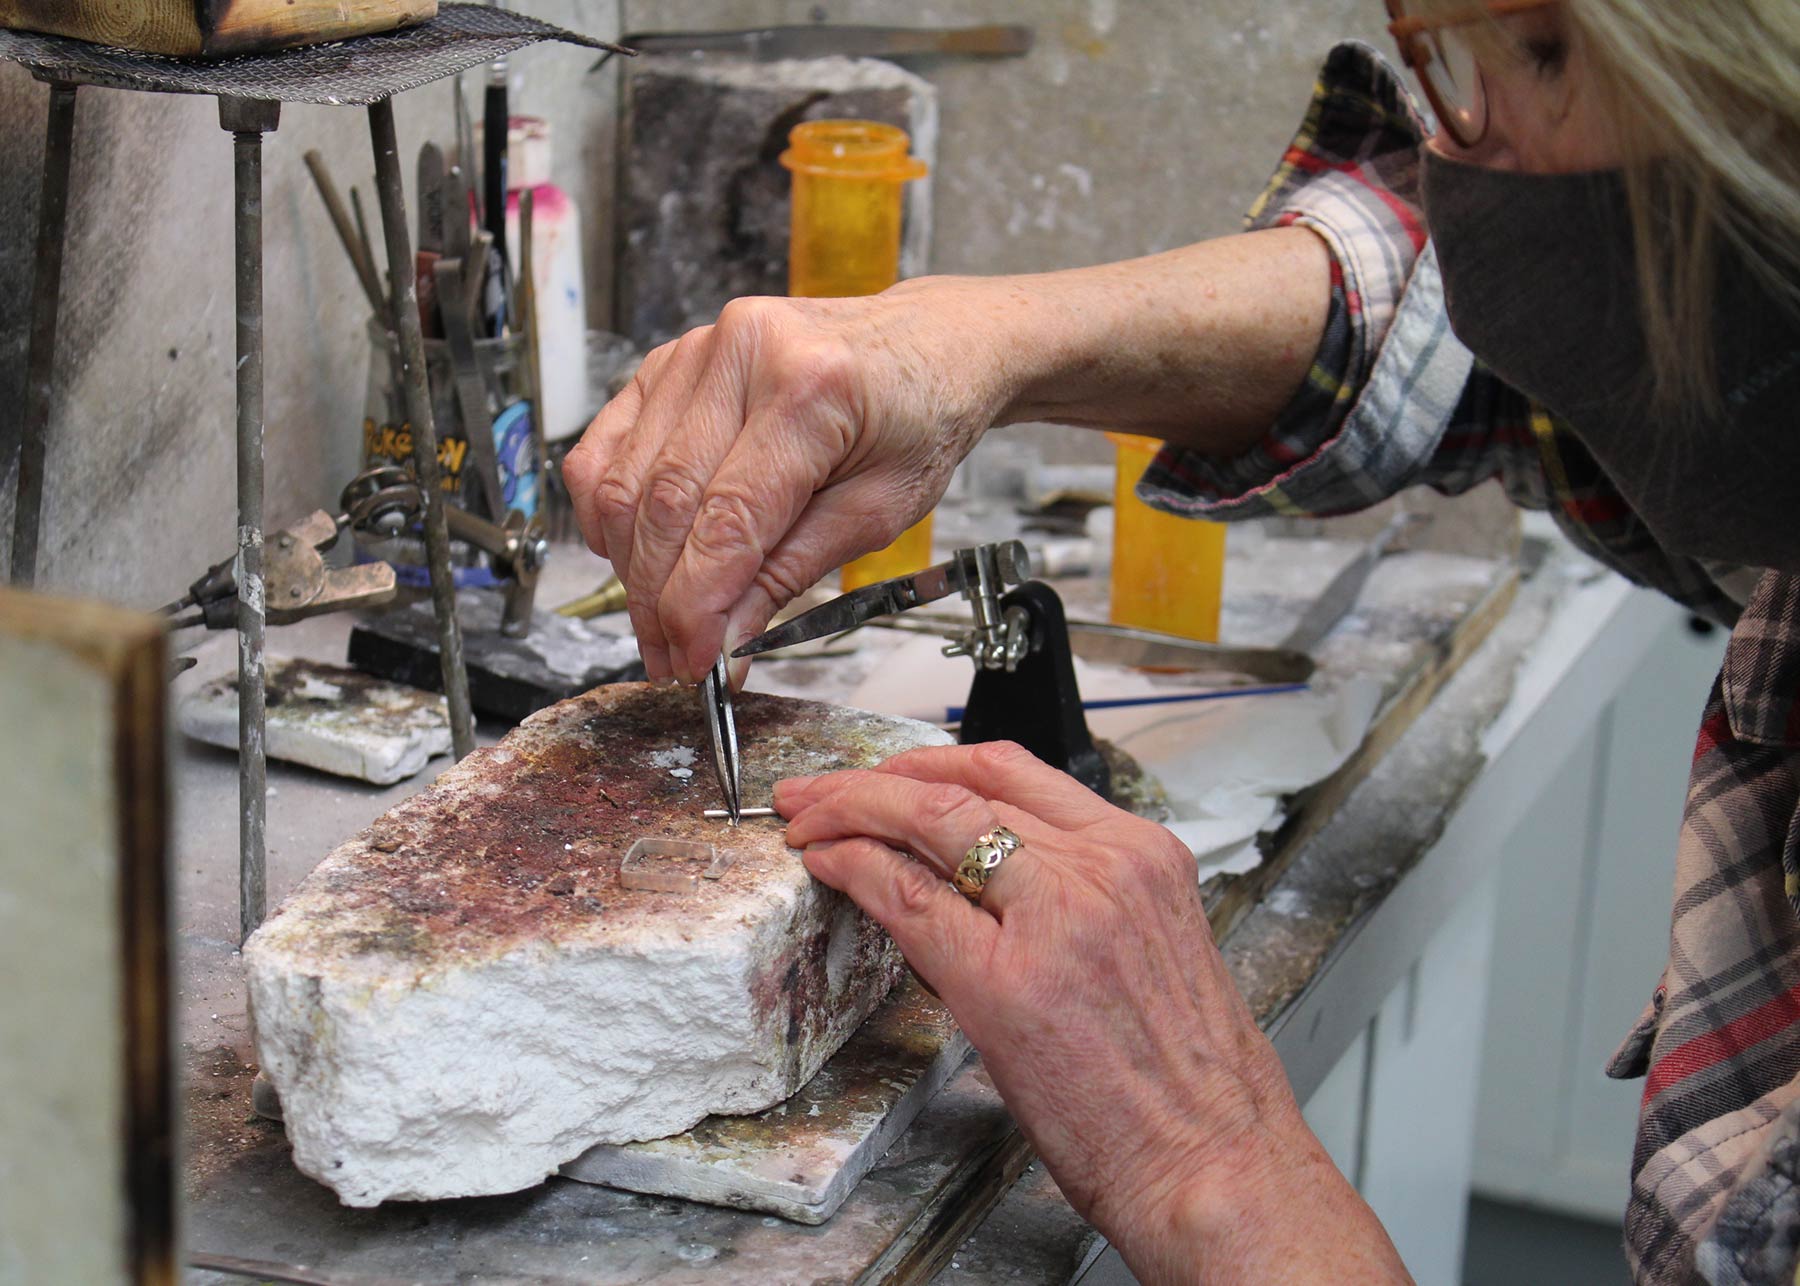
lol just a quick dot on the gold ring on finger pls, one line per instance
(982, 860)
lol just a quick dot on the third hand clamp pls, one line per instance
(1024, 688)
(296, 582)
(382, 501)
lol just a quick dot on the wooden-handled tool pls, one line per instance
(362, 237)
(354, 246)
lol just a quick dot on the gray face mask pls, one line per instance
(1540, 283)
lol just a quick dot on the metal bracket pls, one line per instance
(517, 551)
(387, 499)
(1000, 636)
(299, 584)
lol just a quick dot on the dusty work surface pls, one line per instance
(940, 1179)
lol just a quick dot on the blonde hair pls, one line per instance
(1704, 97)
(1708, 90)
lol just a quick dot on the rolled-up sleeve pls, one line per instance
(1388, 373)
(1393, 399)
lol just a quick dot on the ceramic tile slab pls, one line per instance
(801, 1158)
(328, 717)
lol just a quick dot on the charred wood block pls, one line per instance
(508, 678)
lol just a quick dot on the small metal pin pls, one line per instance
(724, 814)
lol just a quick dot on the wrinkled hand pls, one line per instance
(1090, 983)
(751, 457)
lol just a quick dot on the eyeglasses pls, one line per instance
(1440, 55)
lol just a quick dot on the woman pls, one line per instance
(1613, 202)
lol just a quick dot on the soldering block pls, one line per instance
(464, 996)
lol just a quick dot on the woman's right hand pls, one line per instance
(751, 457)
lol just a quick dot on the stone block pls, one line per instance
(508, 677)
(464, 997)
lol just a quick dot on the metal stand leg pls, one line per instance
(248, 120)
(46, 302)
(413, 375)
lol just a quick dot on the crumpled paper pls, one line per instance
(1228, 765)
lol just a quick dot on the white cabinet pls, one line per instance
(1395, 1112)
(1586, 880)
(1576, 914)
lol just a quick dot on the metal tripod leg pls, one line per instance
(405, 321)
(46, 302)
(248, 120)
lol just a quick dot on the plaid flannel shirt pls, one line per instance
(1393, 400)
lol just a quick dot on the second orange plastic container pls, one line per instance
(845, 230)
(1168, 572)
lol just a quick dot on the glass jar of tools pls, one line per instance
(489, 472)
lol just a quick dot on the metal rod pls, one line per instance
(724, 814)
(248, 120)
(46, 303)
(405, 321)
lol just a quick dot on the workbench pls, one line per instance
(1372, 865)
(1401, 878)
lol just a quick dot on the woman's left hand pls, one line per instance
(1088, 979)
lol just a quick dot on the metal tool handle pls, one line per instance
(517, 552)
(980, 574)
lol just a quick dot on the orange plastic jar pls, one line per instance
(1168, 572)
(845, 240)
(845, 230)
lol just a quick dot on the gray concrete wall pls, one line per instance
(1133, 126)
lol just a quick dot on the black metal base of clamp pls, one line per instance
(1037, 703)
